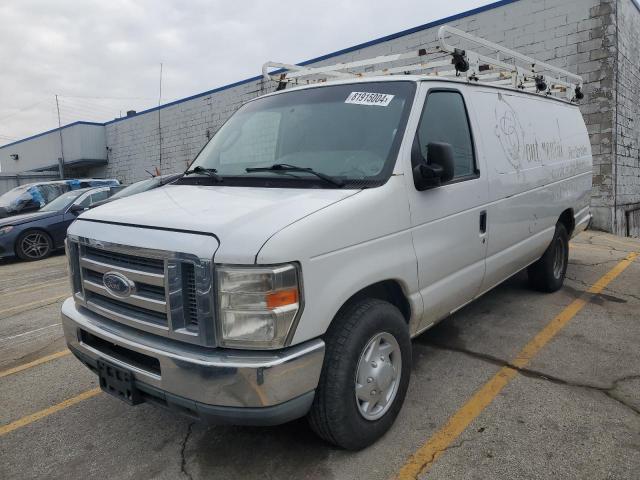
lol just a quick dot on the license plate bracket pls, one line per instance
(119, 382)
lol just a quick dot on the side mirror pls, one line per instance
(77, 209)
(438, 170)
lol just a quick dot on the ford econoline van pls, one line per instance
(319, 230)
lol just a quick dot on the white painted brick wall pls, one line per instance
(627, 140)
(579, 35)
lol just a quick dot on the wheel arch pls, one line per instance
(568, 219)
(389, 290)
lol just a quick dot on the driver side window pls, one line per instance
(85, 202)
(93, 198)
(444, 119)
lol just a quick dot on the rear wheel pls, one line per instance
(547, 274)
(365, 375)
(34, 245)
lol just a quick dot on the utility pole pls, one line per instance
(61, 159)
(159, 125)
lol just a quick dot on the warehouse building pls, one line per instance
(597, 39)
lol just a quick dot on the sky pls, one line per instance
(103, 58)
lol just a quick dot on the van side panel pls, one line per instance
(539, 163)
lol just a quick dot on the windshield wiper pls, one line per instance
(210, 172)
(284, 168)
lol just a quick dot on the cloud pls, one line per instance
(102, 58)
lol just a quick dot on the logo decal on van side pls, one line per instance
(509, 131)
(530, 146)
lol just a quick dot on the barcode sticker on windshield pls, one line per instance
(369, 98)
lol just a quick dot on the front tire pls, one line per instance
(547, 274)
(34, 245)
(365, 375)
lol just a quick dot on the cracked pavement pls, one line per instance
(573, 412)
(183, 465)
(527, 372)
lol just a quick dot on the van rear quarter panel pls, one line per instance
(539, 163)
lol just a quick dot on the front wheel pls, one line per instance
(34, 245)
(365, 375)
(547, 274)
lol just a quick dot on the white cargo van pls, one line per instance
(322, 228)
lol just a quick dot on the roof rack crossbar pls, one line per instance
(523, 73)
(501, 50)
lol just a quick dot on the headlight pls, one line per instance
(257, 305)
(7, 229)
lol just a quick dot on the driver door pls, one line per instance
(449, 221)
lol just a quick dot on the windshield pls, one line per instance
(137, 187)
(63, 201)
(351, 132)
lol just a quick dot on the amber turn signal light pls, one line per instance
(282, 298)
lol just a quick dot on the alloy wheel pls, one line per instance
(35, 245)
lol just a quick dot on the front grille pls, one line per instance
(118, 308)
(118, 259)
(189, 296)
(167, 294)
(150, 291)
(144, 304)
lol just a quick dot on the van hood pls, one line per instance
(242, 218)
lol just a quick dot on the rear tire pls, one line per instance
(548, 273)
(365, 375)
(34, 245)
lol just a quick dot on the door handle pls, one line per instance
(483, 222)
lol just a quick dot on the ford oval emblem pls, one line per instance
(117, 284)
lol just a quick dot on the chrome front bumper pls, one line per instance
(224, 383)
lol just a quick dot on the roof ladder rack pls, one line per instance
(522, 73)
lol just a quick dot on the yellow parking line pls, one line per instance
(630, 245)
(37, 304)
(39, 361)
(586, 246)
(26, 267)
(422, 459)
(33, 288)
(590, 248)
(427, 454)
(24, 421)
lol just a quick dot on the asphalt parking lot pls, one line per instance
(516, 385)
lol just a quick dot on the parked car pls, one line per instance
(31, 197)
(33, 236)
(141, 186)
(319, 230)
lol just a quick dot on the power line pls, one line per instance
(93, 105)
(71, 110)
(94, 109)
(94, 101)
(82, 109)
(89, 110)
(24, 109)
(73, 100)
(106, 98)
